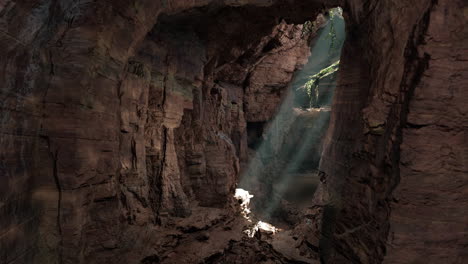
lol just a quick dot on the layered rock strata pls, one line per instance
(118, 119)
(122, 120)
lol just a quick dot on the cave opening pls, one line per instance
(200, 103)
(263, 101)
(285, 151)
(251, 111)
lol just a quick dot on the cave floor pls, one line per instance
(212, 235)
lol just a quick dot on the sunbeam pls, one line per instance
(287, 152)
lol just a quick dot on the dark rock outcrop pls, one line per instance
(395, 159)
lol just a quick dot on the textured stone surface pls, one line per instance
(116, 122)
(123, 127)
(395, 160)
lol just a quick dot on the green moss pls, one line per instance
(333, 13)
(312, 85)
(308, 28)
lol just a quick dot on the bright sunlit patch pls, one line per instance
(244, 197)
(263, 227)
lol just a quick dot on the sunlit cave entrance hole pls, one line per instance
(279, 181)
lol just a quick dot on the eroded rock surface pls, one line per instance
(395, 159)
(123, 130)
(119, 120)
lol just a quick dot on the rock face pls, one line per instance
(395, 159)
(124, 129)
(116, 122)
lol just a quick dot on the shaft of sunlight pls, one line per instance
(276, 164)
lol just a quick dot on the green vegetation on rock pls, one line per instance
(312, 85)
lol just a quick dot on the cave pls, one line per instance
(233, 131)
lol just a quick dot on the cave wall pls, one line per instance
(394, 167)
(110, 126)
(115, 119)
